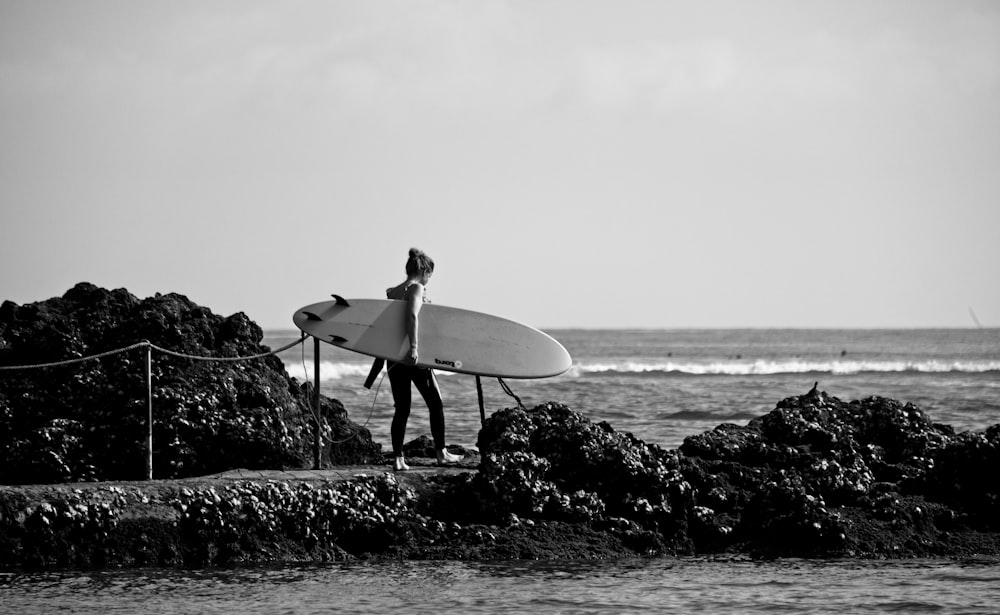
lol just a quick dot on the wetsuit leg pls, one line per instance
(400, 377)
(428, 387)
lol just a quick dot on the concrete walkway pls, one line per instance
(420, 470)
(417, 471)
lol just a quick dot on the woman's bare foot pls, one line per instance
(400, 465)
(443, 457)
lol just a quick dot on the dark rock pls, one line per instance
(87, 421)
(553, 463)
(814, 477)
(965, 475)
(818, 476)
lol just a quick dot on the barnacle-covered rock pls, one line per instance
(784, 517)
(965, 475)
(78, 530)
(821, 476)
(87, 421)
(553, 462)
(367, 514)
(815, 477)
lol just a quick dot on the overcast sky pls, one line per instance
(566, 163)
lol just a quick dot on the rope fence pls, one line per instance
(146, 344)
(109, 353)
(150, 347)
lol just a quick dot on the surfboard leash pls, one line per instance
(370, 410)
(506, 389)
(367, 420)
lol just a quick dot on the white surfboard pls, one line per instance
(451, 339)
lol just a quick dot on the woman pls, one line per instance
(419, 268)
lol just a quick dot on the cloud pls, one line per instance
(656, 72)
(972, 50)
(890, 64)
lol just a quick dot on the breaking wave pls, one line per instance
(337, 370)
(328, 370)
(762, 367)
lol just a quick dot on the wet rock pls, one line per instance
(553, 463)
(964, 474)
(818, 476)
(814, 477)
(87, 421)
(796, 482)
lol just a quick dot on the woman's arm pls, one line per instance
(414, 299)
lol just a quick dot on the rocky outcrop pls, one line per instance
(816, 477)
(87, 421)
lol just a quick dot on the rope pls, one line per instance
(145, 344)
(79, 360)
(181, 355)
(506, 389)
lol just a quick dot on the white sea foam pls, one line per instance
(762, 367)
(338, 370)
(328, 370)
(334, 370)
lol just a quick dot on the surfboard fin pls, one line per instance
(341, 301)
(373, 374)
(311, 316)
(336, 339)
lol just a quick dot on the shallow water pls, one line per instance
(685, 585)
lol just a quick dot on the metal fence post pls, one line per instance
(479, 394)
(149, 411)
(317, 446)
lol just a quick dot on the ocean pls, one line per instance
(661, 385)
(665, 385)
(666, 585)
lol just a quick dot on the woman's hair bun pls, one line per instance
(419, 263)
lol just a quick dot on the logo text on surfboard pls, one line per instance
(455, 364)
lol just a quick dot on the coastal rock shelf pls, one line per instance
(816, 477)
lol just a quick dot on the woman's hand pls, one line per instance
(413, 356)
